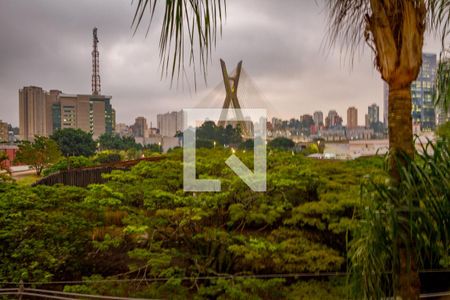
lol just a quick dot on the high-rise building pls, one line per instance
(170, 123)
(4, 131)
(87, 112)
(423, 112)
(306, 125)
(422, 94)
(352, 117)
(374, 114)
(318, 118)
(42, 113)
(307, 120)
(333, 120)
(140, 127)
(373, 120)
(53, 109)
(277, 123)
(32, 112)
(385, 103)
(123, 130)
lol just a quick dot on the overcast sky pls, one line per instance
(48, 43)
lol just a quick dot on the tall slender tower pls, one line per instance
(95, 66)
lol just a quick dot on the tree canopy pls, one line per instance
(74, 142)
(71, 162)
(281, 143)
(142, 223)
(113, 141)
(209, 132)
(39, 154)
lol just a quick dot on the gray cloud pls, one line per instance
(48, 43)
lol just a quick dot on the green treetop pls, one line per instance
(39, 154)
(74, 142)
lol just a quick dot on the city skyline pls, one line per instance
(288, 63)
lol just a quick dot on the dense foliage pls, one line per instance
(113, 141)
(209, 134)
(44, 233)
(70, 162)
(74, 142)
(107, 157)
(39, 154)
(282, 143)
(142, 225)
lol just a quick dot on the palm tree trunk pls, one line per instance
(400, 128)
(408, 277)
(401, 144)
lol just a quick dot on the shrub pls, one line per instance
(107, 158)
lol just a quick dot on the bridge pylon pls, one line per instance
(231, 102)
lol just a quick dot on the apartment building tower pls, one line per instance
(42, 113)
(352, 117)
(170, 123)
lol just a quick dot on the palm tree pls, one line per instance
(393, 30)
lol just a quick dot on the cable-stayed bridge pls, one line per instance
(236, 91)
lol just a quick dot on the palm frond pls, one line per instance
(194, 24)
(439, 17)
(349, 21)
